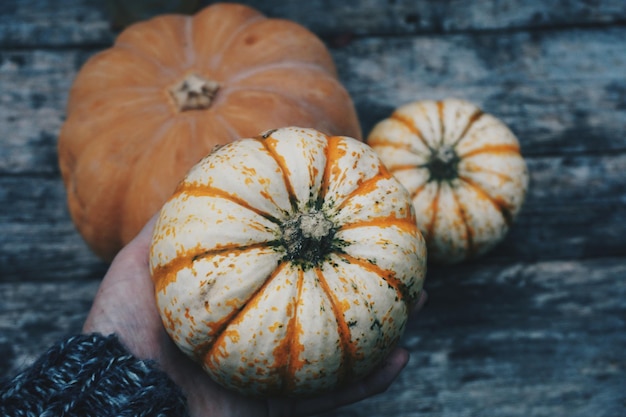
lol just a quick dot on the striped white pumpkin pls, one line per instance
(463, 169)
(286, 264)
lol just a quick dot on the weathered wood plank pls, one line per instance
(517, 340)
(564, 231)
(27, 23)
(575, 208)
(33, 93)
(46, 252)
(402, 17)
(494, 340)
(549, 118)
(42, 23)
(39, 241)
(554, 102)
(560, 91)
(35, 315)
(536, 328)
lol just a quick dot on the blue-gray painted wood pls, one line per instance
(535, 328)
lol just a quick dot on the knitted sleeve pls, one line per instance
(91, 375)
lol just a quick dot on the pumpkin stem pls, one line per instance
(308, 237)
(194, 93)
(443, 164)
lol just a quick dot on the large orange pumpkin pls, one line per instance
(141, 113)
(286, 264)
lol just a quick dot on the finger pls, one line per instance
(145, 235)
(376, 383)
(138, 248)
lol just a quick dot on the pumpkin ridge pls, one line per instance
(205, 190)
(405, 167)
(292, 65)
(226, 124)
(329, 150)
(469, 231)
(434, 205)
(200, 351)
(411, 126)
(317, 111)
(388, 276)
(501, 206)
(379, 141)
(196, 140)
(140, 53)
(205, 351)
(348, 350)
(442, 125)
(165, 274)
(418, 190)
(131, 106)
(110, 94)
(217, 58)
(269, 145)
(292, 363)
(407, 224)
(473, 119)
(471, 169)
(366, 186)
(142, 157)
(495, 149)
(188, 41)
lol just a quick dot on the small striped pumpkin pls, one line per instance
(286, 264)
(463, 169)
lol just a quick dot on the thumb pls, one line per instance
(144, 237)
(139, 247)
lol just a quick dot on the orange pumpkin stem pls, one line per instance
(194, 93)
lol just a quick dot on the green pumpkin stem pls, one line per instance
(308, 237)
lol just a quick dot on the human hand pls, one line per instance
(125, 305)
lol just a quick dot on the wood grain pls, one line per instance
(559, 91)
(34, 315)
(535, 328)
(555, 101)
(515, 340)
(501, 340)
(28, 23)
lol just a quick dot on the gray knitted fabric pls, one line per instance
(91, 375)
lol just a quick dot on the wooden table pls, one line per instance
(535, 328)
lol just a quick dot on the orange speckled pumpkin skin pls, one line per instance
(285, 264)
(142, 112)
(463, 169)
